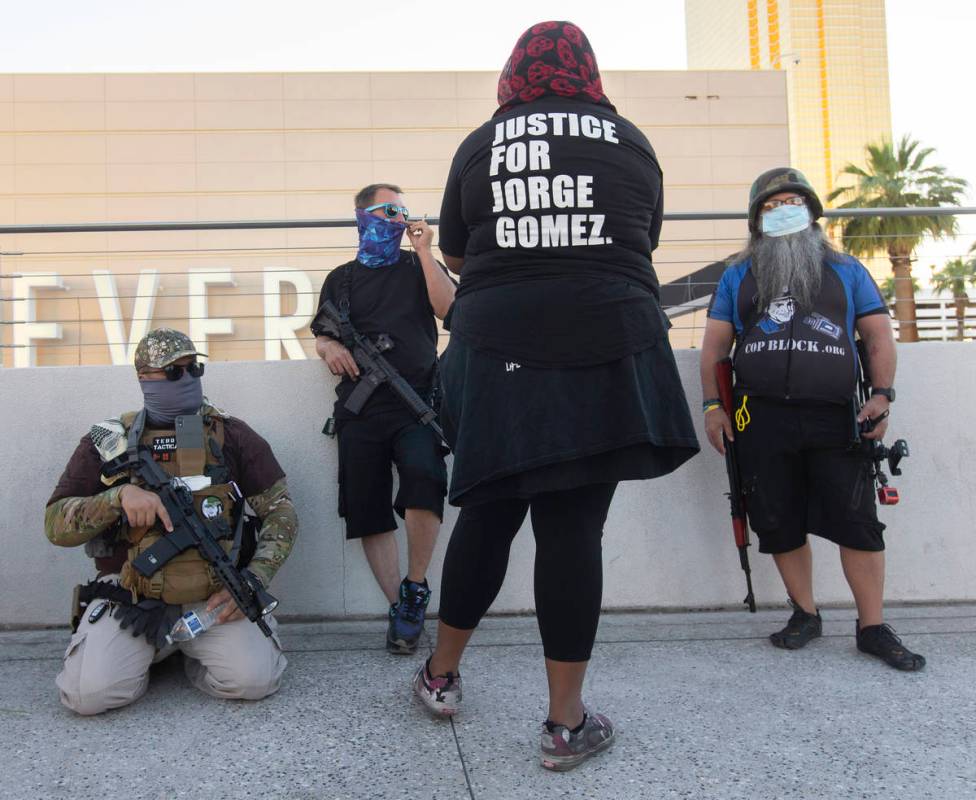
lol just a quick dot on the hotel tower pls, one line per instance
(834, 54)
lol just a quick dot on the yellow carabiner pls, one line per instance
(742, 416)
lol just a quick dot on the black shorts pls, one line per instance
(800, 475)
(368, 447)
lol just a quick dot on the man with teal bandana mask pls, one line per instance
(391, 291)
(379, 236)
(791, 304)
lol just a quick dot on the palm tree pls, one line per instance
(887, 288)
(897, 176)
(952, 279)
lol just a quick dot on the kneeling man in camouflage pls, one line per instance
(105, 500)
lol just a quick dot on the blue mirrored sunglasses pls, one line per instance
(390, 209)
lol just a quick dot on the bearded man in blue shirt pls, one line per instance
(791, 304)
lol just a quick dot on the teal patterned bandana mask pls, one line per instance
(379, 239)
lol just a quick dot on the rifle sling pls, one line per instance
(135, 434)
(748, 323)
(343, 296)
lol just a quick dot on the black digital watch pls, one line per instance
(884, 392)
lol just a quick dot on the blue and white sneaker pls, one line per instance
(407, 617)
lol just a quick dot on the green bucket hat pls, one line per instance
(161, 347)
(781, 179)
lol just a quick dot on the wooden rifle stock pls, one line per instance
(740, 527)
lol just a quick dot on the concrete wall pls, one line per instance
(668, 542)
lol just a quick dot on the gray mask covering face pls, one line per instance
(167, 400)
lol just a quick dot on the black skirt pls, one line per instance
(518, 431)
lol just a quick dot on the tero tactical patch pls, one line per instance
(163, 443)
(163, 448)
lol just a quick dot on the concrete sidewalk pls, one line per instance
(704, 706)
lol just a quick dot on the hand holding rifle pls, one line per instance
(718, 428)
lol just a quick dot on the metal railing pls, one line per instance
(936, 320)
(254, 299)
(266, 224)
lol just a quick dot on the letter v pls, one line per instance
(122, 349)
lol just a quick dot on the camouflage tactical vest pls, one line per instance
(187, 578)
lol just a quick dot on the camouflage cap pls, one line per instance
(781, 179)
(161, 347)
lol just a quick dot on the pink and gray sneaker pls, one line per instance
(563, 749)
(441, 695)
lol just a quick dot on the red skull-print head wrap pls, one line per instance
(551, 59)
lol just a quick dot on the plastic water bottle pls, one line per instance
(193, 623)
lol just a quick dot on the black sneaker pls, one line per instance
(881, 641)
(801, 628)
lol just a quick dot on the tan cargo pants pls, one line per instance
(106, 667)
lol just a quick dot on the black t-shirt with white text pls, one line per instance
(555, 207)
(391, 300)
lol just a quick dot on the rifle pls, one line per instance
(875, 449)
(375, 370)
(189, 530)
(740, 526)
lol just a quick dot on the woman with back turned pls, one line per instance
(559, 381)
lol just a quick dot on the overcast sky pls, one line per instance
(929, 45)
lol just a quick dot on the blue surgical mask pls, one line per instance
(379, 239)
(784, 220)
(166, 400)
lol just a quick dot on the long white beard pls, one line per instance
(791, 264)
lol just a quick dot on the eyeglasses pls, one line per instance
(175, 371)
(390, 209)
(769, 205)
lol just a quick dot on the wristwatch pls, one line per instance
(888, 392)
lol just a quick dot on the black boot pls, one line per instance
(881, 641)
(801, 628)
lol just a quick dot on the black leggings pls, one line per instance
(568, 528)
